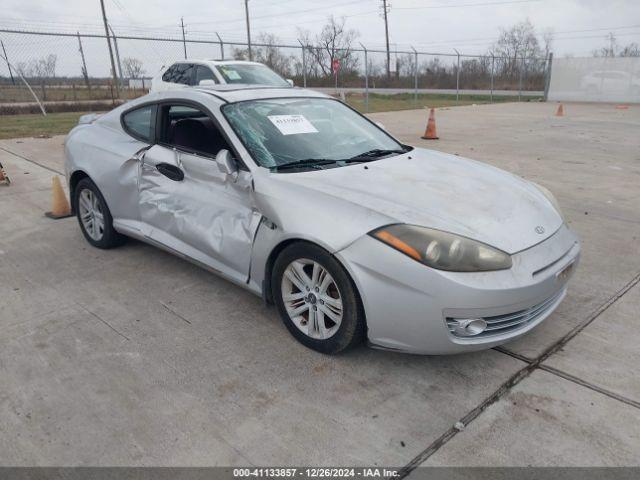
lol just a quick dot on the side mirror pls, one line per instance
(206, 82)
(226, 164)
(290, 82)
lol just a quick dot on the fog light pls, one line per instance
(469, 327)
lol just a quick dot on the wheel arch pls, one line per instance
(74, 179)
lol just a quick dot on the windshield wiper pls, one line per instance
(373, 155)
(308, 162)
(318, 162)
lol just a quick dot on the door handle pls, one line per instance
(170, 171)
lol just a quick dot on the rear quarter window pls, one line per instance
(139, 123)
(169, 74)
(184, 74)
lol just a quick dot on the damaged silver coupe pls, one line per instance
(300, 199)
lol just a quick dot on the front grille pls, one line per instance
(507, 323)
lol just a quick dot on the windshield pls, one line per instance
(248, 73)
(287, 130)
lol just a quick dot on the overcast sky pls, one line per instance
(439, 26)
(430, 25)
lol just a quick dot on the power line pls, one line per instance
(271, 15)
(459, 5)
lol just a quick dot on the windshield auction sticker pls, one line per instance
(292, 124)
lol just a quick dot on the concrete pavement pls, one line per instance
(134, 357)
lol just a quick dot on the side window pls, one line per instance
(139, 123)
(168, 75)
(184, 74)
(190, 129)
(204, 73)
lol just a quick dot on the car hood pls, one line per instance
(440, 191)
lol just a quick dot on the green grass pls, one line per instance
(57, 93)
(32, 125)
(406, 101)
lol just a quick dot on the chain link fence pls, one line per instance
(69, 71)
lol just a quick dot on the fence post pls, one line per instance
(366, 79)
(115, 45)
(415, 76)
(520, 79)
(547, 76)
(457, 76)
(335, 73)
(221, 46)
(493, 62)
(304, 65)
(8, 64)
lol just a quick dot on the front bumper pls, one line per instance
(407, 304)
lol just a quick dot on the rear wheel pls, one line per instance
(94, 216)
(316, 299)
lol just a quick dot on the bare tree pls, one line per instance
(23, 69)
(515, 43)
(334, 42)
(133, 68)
(547, 41)
(406, 65)
(44, 67)
(631, 50)
(613, 49)
(266, 50)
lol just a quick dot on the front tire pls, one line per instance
(316, 299)
(94, 216)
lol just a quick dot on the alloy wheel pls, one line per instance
(91, 214)
(312, 299)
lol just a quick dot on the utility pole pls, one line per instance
(385, 11)
(8, 64)
(184, 40)
(612, 43)
(85, 73)
(246, 11)
(113, 63)
(115, 44)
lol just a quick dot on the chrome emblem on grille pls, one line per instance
(540, 229)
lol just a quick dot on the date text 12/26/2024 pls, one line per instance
(315, 472)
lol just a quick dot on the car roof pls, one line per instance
(206, 61)
(239, 92)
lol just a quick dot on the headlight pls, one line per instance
(442, 250)
(547, 193)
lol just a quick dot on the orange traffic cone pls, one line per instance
(430, 132)
(560, 111)
(4, 178)
(60, 206)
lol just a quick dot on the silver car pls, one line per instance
(300, 199)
